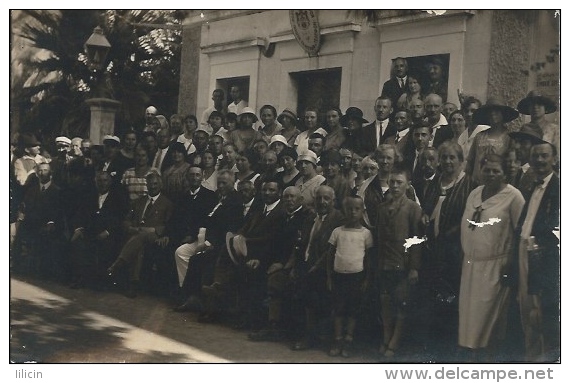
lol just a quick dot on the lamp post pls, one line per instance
(103, 107)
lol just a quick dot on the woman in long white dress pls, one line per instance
(487, 231)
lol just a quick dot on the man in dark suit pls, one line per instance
(42, 223)
(402, 139)
(114, 163)
(309, 267)
(261, 238)
(376, 133)
(97, 231)
(441, 131)
(398, 84)
(278, 273)
(189, 218)
(145, 223)
(162, 159)
(225, 216)
(539, 259)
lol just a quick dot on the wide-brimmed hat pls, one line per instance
(29, 140)
(352, 113)
(308, 155)
(530, 132)
(482, 115)
(534, 97)
(248, 110)
(287, 113)
(237, 247)
(278, 138)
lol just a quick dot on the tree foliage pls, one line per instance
(50, 78)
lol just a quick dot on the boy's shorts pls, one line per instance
(395, 284)
(347, 293)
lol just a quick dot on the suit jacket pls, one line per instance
(191, 214)
(320, 241)
(227, 217)
(367, 138)
(39, 208)
(157, 216)
(287, 238)
(393, 90)
(261, 232)
(109, 217)
(543, 275)
(442, 134)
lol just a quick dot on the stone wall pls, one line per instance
(510, 56)
(189, 70)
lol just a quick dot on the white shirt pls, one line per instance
(533, 205)
(102, 198)
(247, 206)
(351, 245)
(269, 208)
(436, 126)
(380, 129)
(149, 200)
(402, 81)
(401, 134)
(319, 219)
(465, 141)
(237, 108)
(190, 148)
(159, 157)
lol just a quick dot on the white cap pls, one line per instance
(278, 138)
(108, 137)
(62, 140)
(151, 109)
(308, 155)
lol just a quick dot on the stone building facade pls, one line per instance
(503, 53)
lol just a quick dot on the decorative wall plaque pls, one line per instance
(305, 25)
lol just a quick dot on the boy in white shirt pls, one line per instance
(348, 272)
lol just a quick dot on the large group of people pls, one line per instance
(434, 218)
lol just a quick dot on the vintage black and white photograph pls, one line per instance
(285, 186)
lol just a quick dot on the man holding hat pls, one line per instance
(538, 106)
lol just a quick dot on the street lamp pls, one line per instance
(97, 48)
(103, 109)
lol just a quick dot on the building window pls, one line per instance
(241, 82)
(432, 79)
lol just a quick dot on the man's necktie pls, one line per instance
(538, 183)
(43, 188)
(401, 81)
(397, 137)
